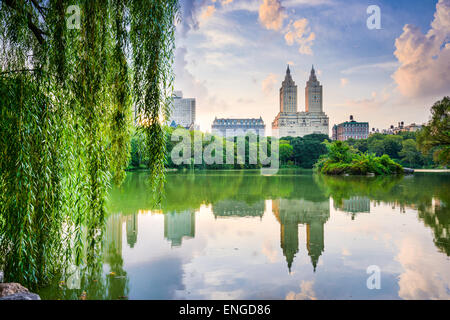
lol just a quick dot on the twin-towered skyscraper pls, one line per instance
(290, 122)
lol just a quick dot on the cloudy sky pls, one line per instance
(232, 54)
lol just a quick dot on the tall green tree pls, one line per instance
(410, 155)
(435, 136)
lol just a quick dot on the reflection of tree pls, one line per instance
(189, 191)
(437, 217)
(428, 193)
(93, 283)
(343, 188)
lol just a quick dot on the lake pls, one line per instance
(295, 235)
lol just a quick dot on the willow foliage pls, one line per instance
(66, 97)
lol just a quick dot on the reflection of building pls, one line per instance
(113, 233)
(228, 208)
(132, 228)
(291, 213)
(350, 130)
(178, 225)
(290, 122)
(113, 237)
(354, 205)
(238, 127)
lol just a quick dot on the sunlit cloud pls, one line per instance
(344, 82)
(299, 32)
(272, 14)
(425, 58)
(268, 84)
(207, 12)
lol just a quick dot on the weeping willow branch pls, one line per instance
(153, 46)
(121, 116)
(65, 123)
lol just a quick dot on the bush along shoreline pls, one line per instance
(341, 159)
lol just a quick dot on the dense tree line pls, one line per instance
(304, 152)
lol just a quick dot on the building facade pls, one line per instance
(183, 111)
(290, 122)
(238, 127)
(350, 130)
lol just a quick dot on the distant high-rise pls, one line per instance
(288, 94)
(183, 111)
(313, 94)
(290, 122)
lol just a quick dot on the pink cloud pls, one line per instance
(425, 58)
(272, 14)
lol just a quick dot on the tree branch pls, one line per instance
(38, 33)
(40, 9)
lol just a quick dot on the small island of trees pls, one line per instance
(343, 159)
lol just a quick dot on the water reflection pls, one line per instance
(179, 225)
(291, 213)
(234, 208)
(216, 236)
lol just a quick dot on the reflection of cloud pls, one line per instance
(269, 251)
(272, 14)
(268, 83)
(306, 292)
(424, 277)
(425, 58)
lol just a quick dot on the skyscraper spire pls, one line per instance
(312, 76)
(288, 71)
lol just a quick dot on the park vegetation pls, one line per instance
(65, 116)
(343, 159)
(304, 152)
(434, 138)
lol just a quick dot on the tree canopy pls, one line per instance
(435, 136)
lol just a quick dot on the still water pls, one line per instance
(296, 235)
